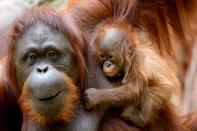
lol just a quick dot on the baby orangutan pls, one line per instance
(140, 80)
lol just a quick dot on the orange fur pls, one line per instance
(153, 18)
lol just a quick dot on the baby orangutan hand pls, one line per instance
(91, 97)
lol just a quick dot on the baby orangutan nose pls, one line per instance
(108, 64)
(110, 69)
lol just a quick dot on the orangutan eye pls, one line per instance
(102, 57)
(51, 54)
(33, 56)
(110, 57)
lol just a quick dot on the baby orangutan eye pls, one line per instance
(102, 57)
(110, 57)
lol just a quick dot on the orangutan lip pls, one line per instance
(108, 73)
(49, 98)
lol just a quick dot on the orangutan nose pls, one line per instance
(42, 69)
(108, 63)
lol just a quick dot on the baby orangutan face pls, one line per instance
(109, 51)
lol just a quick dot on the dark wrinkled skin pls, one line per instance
(40, 55)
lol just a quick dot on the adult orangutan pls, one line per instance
(93, 16)
(42, 74)
(43, 70)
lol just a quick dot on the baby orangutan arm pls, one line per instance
(110, 97)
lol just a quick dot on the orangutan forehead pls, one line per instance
(111, 38)
(42, 36)
(40, 32)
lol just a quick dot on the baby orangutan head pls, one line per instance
(108, 49)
